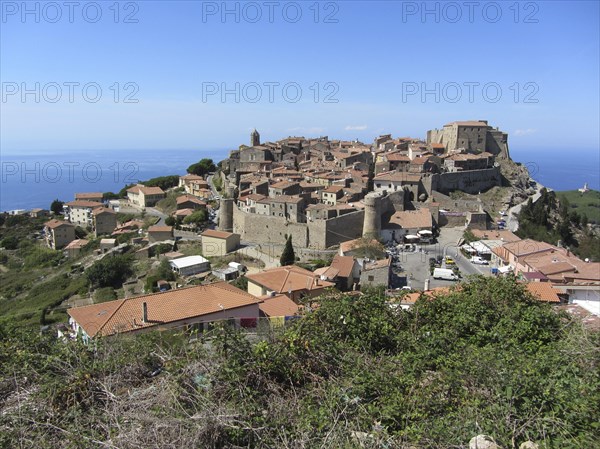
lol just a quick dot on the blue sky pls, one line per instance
(375, 59)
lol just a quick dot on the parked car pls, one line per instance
(449, 261)
(476, 260)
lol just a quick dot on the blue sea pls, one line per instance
(561, 170)
(29, 181)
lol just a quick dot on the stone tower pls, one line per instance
(254, 138)
(372, 221)
(226, 215)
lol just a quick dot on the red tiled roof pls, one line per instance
(146, 190)
(57, 223)
(103, 210)
(288, 278)
(84, 203)
(217, 234)
(279, 305)
(344, 264)
(86, 195)
(125, 315)
(160, 229)
(77, 244)
(191, 198)
(543, 291)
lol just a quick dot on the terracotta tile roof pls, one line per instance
(504, 235)
(146, 190)
(333, 189)
(288, 278)
(420, 160)
(283, 184)
(84, 203)
(556, 268)
(411, 298)
(528, 246)
(543, 291)
(52, 224)
(282, 199)
(279, 305)
(398, 177)
(412, 219)
(217, 234)
(77, 244)
(192, 177)
(254, 197)
(103, 210)
(87, 195)
(191, 198)
(344, 264)
(160, 229)
(329, 273)
(353, 244)
(397, 157)
(377, 264)
(125, 315)
(184, 212)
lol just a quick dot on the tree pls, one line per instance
(170, 221)
(110, 271)
(164, 182)
(10, 242)
(196, 218)
(202, 168)
(57, 207)
(288, 257)
(106, 196)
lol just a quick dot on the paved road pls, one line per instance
(156, 213)
(511, 221)
(214, 191)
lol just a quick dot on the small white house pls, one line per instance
(187, 266)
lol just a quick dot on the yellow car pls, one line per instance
(450, 261)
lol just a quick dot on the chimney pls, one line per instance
(144, 312)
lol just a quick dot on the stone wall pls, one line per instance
(319, 234)
(267, 229)
(472, 181)
(326, 233)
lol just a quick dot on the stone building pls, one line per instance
(376, 273)
(104, 221)
(219, 243)
(473, 136)
(58, 233)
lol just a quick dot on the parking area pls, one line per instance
(414, 264)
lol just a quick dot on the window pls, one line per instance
(371, 278)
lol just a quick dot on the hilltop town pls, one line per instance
(402, 214)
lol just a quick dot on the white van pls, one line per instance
(478, 260)
(444, 273)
